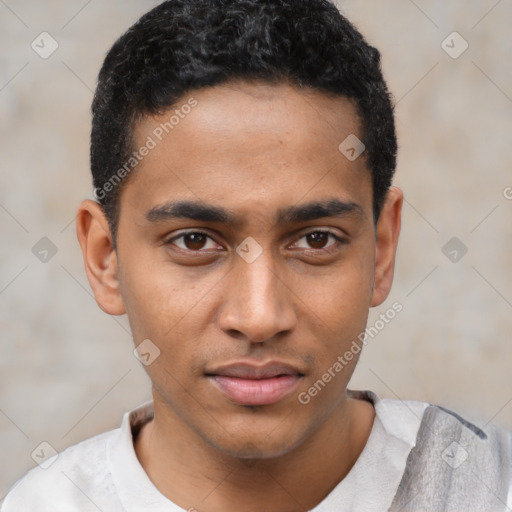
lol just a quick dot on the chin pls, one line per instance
(255, 443)
(251, 450)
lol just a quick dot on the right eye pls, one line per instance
(192, 241)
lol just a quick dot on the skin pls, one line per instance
(252, 148)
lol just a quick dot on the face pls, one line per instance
(247, 253)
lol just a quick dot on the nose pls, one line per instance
(257, 305)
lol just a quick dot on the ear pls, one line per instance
(387, 232)
(100, 258)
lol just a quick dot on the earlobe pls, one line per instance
(100, 258)
(388, 231)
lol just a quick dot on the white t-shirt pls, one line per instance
(103, 472)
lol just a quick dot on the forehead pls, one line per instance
(249, 144)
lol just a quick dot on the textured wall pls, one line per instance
(67, 369)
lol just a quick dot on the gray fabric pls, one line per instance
(455, 467)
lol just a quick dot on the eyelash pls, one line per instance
(338, 239)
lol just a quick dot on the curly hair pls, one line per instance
(183, 45)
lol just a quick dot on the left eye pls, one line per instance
(318, 240)
(196, 241)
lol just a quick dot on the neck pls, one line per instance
(194, 474)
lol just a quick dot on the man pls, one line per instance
(242, 154)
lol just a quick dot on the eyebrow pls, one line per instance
(199, 211)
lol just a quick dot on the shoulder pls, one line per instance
(399, 418)
(456, 463)
(75, 479)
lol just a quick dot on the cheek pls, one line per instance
(342, 299)
(166, 311)
(151, 299)
(162, 302)
(340, 311)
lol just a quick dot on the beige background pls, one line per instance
(67, 369)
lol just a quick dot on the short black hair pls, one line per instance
(183, 45)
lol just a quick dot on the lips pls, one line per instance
(247, 384)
